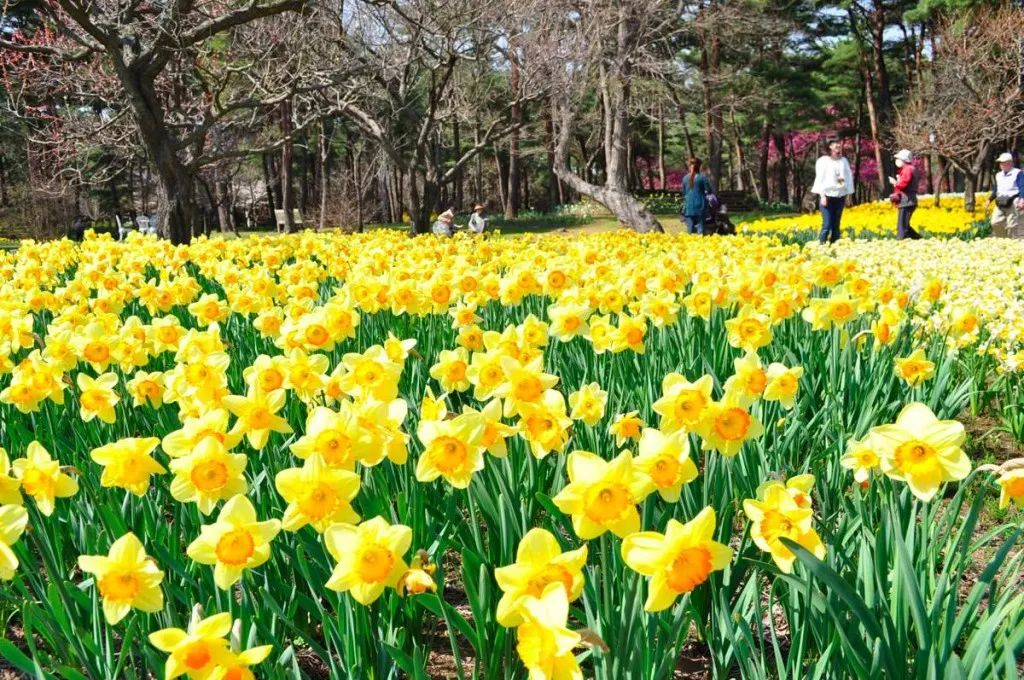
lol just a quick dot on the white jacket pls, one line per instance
(832, 178)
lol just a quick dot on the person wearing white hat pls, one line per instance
(833, 182)
(477, 221)
(1008, 195)
(904, 195)
(445, 224)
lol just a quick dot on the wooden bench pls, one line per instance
(738, 201)
(279, 219)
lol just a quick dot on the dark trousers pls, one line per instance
(694, 224)
(903, 228)
(831, 215)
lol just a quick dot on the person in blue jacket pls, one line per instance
(696, 187)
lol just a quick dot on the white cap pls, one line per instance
(1005, 157)
(904, 155)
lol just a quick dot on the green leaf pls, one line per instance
(16, 657)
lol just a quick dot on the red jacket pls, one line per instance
(904, 177)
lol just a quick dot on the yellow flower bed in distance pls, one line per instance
(878, 218)
(559, 458)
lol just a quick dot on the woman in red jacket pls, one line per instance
(905, 194)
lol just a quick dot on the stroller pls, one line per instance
(716, 218)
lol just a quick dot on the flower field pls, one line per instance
(612, 456)
(872, 220)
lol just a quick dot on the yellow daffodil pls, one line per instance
(568, 321)
(545, 425)
(371, 374)
(235, 542)
(749, 330)
(98, 397)
(777, 516)
(198, 651)
(128, 464)
(257, 415)
(13, 520)
(213, 425)
(524, 384)
(602, 495)
(451, 370)
(1011, 488)
(922, 450)
(914, 369)
(42, 479)
(126, 577)
(862, 457)
(147, 389)
(545, 644)
(798, 486)
(626, 427)
(10, 493)
(540, 561)
(677, 561)
(369, 557)
(588, 404)
(317, 494)
(453, 449)
(726, 426)
(495, 432)
(748, 382)
(208, 475)
(419, 578)
(783, 384)
(683, 404)
(665, 460)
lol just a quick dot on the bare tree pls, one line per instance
(167, 67)
(405, 57)
(607, 46)
(971, 97)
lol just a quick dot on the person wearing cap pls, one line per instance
(445, 224)
(833, 182)
(1008, 195)
(905, 194)
(477, 221)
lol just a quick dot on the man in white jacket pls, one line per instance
(1008, 195)
(833, 182)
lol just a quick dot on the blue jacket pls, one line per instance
(695, 200)
(1020, 184)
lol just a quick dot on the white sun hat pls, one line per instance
(904, 155)
(1005, 157)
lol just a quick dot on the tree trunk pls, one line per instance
(661, 147)
(740, 160)
(781, 168)
(629, 211)
(478, 174)
(357, 179)
(177, 209)
(502, 173)
(421, 202)
(710, 59)
(513, 202)
(287, 153)
(457, 181)
(856, 161)
(3, 183)
(869, 101)
(762, 164)
(325, 174)
(268, 183)
(220, 197)
(554, 197)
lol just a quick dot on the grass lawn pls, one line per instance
(544, 224)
